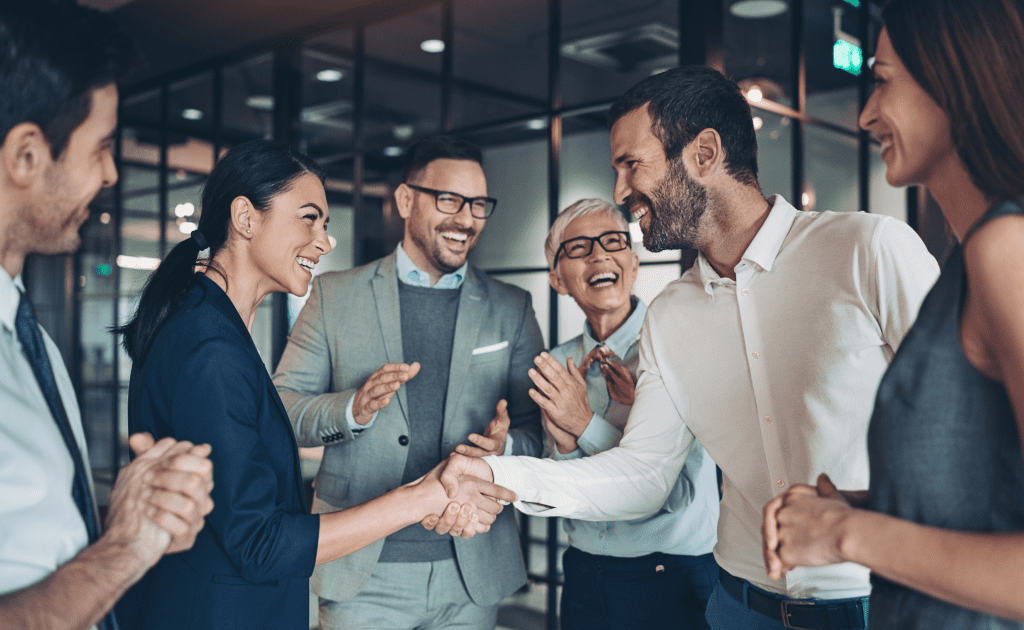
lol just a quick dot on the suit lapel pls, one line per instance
(467, 326)
(385, 294)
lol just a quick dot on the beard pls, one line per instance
(677, 208)
(430, 243)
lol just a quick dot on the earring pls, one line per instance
(248, 231)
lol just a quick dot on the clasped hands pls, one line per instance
(160, 500)
(806, 526)
(561, 393)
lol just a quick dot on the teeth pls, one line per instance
(305, 263)
(601, 278)
(455, 236)
(639, 212)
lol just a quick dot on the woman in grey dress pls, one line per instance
(942, 525)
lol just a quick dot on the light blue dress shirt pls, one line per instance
(674, 529)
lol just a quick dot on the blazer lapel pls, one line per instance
(385, 293)
(467, 326)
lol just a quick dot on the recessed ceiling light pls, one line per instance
(758, 123)
(754, 94)
(187, 227)
(330, 75)
(392, 151)
(537, 123)
(403, 132)
(186, 209)
(191, 113)
(756, 9)
(260, 101)
(432, 46)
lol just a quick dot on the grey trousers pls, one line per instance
(409, 596)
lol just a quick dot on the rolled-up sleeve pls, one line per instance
(217, 401)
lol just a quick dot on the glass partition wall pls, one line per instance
(531, 82)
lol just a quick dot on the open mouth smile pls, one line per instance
(603, 279)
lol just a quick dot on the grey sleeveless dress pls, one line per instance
(943, 447)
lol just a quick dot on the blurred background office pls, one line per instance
(354, 82)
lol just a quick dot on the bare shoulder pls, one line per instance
(994, 255)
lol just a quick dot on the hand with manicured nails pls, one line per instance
(377, 391)
(561, 393)
(492, 442)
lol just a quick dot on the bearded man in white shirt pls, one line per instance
(768, 350)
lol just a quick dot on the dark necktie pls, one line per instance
(32, 343)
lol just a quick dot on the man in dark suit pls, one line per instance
(59, 568)
(461, 344)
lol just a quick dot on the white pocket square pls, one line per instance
(494, 347)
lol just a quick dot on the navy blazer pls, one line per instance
(204, 381)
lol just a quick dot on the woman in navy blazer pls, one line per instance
(197, 376)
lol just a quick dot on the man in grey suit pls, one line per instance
(461, 344)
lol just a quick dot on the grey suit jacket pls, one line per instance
(350, 327)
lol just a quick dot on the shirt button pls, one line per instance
(767, 419)
(745, 292)
(780, 483)
(403, 440)
(756, 355)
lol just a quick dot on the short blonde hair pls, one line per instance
(581, 208)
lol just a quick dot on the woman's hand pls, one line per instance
(561, 393)
(804, 526)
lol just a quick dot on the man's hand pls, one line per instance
(492, 442)
(474, 501)
(458, 465)
(561, 393)
(376, 392)
(565, 442)
(159, 501)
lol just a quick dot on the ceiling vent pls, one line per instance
(647, 47)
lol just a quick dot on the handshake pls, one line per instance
(465, 501)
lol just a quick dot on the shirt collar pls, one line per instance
(765, 247)
(619, 341)
(409, 273)
(10, 296)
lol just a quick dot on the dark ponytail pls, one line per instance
(258, 170)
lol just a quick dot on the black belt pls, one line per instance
(802, 615)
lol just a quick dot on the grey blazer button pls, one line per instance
(403, 440)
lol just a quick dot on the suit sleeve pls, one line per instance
(524, 414)
(217, 401)
(303, 379)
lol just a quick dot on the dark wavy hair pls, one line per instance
(53, 55)
(439, 147)
(258, 170)
(968, 55)
(683, 102)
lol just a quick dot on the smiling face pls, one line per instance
(70, 184)
(914, 131)
(437, 242)
(669, 204)
(601, 282)
(291, 235)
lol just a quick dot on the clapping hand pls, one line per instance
(561, 393)
(492, 442)
(377, 391)
(621, 384)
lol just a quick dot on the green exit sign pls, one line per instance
(855, 3)
(104, 270)
(846, 56)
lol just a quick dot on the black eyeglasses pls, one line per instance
(452, 203)
(581, 246)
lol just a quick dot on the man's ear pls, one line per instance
(707, 153)
(403, 200)
(242, 217)
(556, 283)
(24, 154)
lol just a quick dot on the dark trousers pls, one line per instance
(658, 591)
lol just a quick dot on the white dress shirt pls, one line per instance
(685, 525)
(40, 525)
(794, 348)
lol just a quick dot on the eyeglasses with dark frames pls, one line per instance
(581, 246)
(452, 203)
